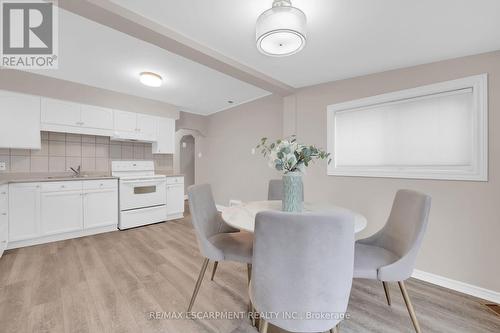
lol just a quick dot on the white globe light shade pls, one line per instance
(150, 79)
(281, 31)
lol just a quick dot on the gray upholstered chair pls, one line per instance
(390, 254)
(214, 240)
(302, 263)
(275, 190)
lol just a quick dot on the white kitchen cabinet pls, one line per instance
(100, 207)
(50, 211)
(63, 113)
(20, 123)
(147, 127)
(24, 211)
(61, 211)
(125, 123)
(134, 126)
(175, 200)
(68, 117)
(4, 217)
(165, 138)
(97, 117)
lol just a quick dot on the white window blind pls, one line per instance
(436, 131)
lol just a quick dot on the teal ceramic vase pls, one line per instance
(292, 192)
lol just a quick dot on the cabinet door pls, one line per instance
(100, 208)
(20, 121)
(97, 117)
(175, 199)
(4, 217)
(56, 112)
(146, 126)
(24, 211)
(125, 121)
(61, 211)
(165, 139)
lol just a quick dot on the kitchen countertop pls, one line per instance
(35, 178)
(169, 174)
(9, 178)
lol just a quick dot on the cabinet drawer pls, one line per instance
(137, 217)
(98, 184)
(175, 180)
(61, 186)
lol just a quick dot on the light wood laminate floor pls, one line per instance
(111, 282)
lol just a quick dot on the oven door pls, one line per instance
(141, 193)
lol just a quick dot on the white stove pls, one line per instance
(143, 197)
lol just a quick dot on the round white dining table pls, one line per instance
(242, 216)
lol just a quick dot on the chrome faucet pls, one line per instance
(77, 172)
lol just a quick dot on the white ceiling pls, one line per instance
(92, 54)
(346, 38)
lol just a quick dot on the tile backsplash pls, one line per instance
(61, 151)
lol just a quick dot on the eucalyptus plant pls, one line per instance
(287, 155)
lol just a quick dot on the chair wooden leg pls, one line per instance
(335, 329)
(409, 306)
(387, 294)
(198, 284)
(249, 272)
(249, 275)
(216, 263)
(263, 326)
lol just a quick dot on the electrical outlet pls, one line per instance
(3, 166)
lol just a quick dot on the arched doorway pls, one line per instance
(187, 160)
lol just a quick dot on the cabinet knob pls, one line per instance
(4, 214)
(4, 193)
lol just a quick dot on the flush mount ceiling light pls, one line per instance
(150, 79)
(281, 30)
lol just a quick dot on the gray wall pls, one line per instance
(187, 160)
(462, 239)
(227, 161)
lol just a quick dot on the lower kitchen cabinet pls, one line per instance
(24, 211)
(51, 211)
(4, 217)
(100, 208)
(175, 197)
(61, 211)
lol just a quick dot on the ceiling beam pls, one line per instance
(116, 17)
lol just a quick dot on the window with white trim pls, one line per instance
(439, 131)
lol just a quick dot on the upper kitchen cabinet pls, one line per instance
(60, 113)
(20, 125)
(68, 117)
(97, 117)
(165, 143)
(147, 127)
(134, 126)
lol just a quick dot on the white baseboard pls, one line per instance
(60, 237)
(469, 289)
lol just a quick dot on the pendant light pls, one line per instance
(281, 30)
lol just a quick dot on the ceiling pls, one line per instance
(96, 55)
(346, 38)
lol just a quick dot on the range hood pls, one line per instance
(131, 137)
